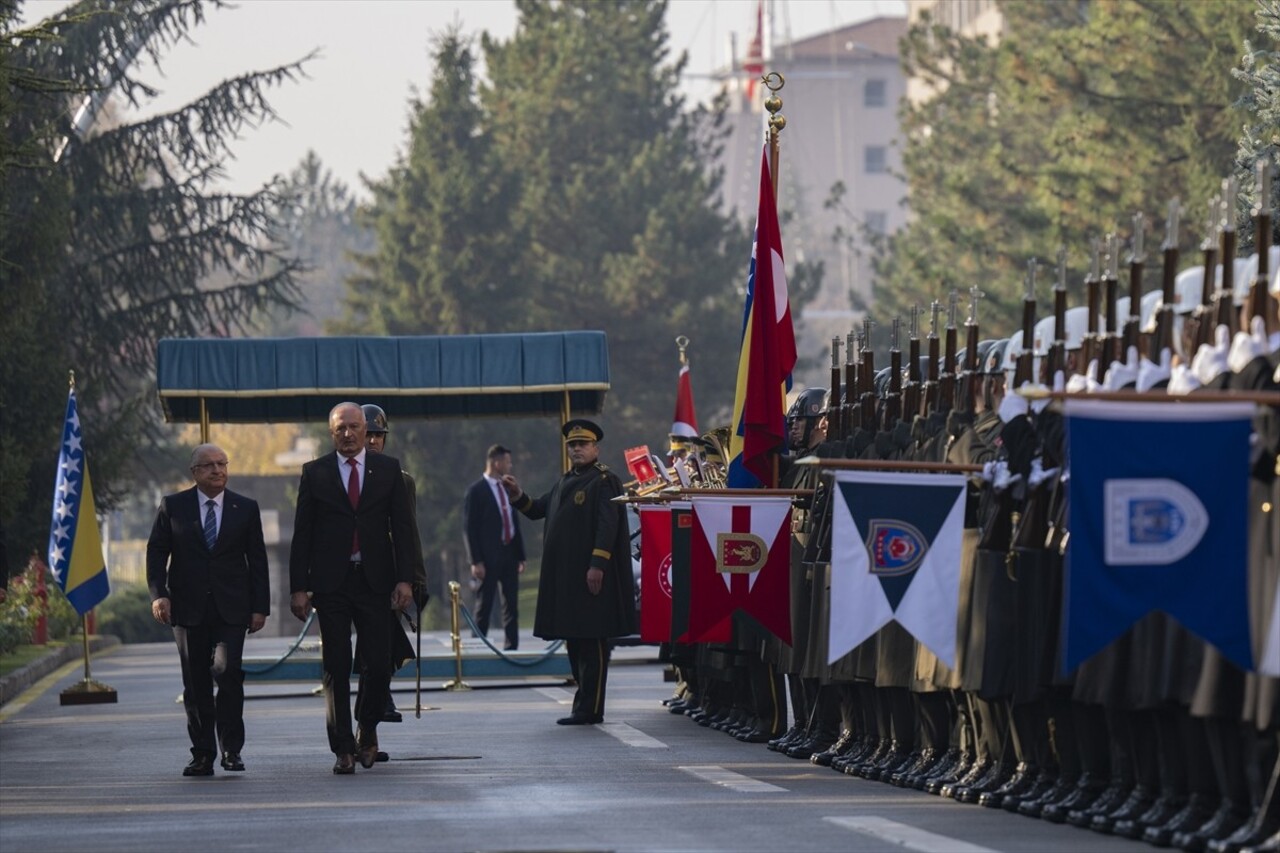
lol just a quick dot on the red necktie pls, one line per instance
(353, 495)
(507, 531)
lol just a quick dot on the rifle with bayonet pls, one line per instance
(1224, 299)
(1260, 302)
(867, 378)
(947, 376)
(849, 412)
(930, 396)
(1024, 369)
(1058, 348)
(1092, 349)
(911, 390)
(893, 400)
(1137, 259)
(1203, 315)
(1110, 297)
(1163, 338)
(969, 373)
(835, 424)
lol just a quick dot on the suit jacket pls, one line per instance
(181, 568)
(325, 523)
(482, 525)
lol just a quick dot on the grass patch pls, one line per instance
(23, 655)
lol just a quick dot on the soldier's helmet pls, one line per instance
(1151, 301)
(809, 406)
(984, 348)
(882, 382)
(375, 419)
(993, 363)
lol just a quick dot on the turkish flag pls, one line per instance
(740, 560)
(655, 574)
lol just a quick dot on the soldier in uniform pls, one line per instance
(376, 439)
(586, 593)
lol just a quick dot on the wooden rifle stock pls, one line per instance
(911, 391)
(1261, 303)
(1163, 338)
(1224, 299)
(867, 381)
(947, 375)
(893, 400)
(850, 416)
(1023, 371)
(1133, 323)
(835, 428)
(1058, 348)
(1091, 348)
(1110, 296)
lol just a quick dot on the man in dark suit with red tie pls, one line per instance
(351, 556)
(495, 545)
(207, 571)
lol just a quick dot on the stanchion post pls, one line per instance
(457, 683)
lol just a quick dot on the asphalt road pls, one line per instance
(485, 770)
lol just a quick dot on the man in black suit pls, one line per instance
(207, 570)
(352, 553)
(495, 545)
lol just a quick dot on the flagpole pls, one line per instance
(86, 691)
(773, 81)
(888, 465)
(1264, 398)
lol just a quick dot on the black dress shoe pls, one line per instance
(231, 761)
(1225, 821)
(1271, 845)
(1197, 811)
(580, 720)
(367, 755)
(345, 764)
(200, 765)
(382, 758)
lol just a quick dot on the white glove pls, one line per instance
(1040, 404)
(1038, 473)
(1122, 373)
(1211, 361)
(1273, 341)
(1091, 377)
(1151, 374)
(988, 472)
(1011, 406)
(1248, 345)
(1182, 380)
(1003, 480)
(1077, 384)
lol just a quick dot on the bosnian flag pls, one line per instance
(75, 547)
(685, 421)
(767, 355)
(740, 559)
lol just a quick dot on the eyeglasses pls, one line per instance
(210, 466)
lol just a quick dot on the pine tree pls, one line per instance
(111, 231)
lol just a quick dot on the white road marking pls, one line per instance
(631, 736)
(557, 694)
(906, 836)
(733, 781)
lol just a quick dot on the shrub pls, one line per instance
(127, 614)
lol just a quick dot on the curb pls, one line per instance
(20, 679)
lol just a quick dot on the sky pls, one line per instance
(373, 55)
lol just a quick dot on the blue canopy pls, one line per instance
(293, 380)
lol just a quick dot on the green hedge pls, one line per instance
(21, 610)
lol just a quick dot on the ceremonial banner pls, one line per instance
(895, 557)
(655, 573)
(75, 547)
(681, 530)
(685, 421)
(740, 559)
(766, 357)
(1158, 519)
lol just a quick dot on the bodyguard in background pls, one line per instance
(494, 545)
(352, 558)
(207, 571)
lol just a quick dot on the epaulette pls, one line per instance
(601, 466)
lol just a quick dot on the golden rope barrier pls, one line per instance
(457, 683)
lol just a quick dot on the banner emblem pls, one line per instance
(740, 553)
(664, 577)
(896, 548)
(1151, 521)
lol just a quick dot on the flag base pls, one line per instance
(88, 692)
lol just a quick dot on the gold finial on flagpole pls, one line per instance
(683, 344)
(773, 81)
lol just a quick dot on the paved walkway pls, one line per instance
(483, 770)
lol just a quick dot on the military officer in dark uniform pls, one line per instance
(586, 593)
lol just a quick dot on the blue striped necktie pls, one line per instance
(210, 525)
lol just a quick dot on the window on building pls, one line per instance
(877, 221)
(873, 93)
(875, 161)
